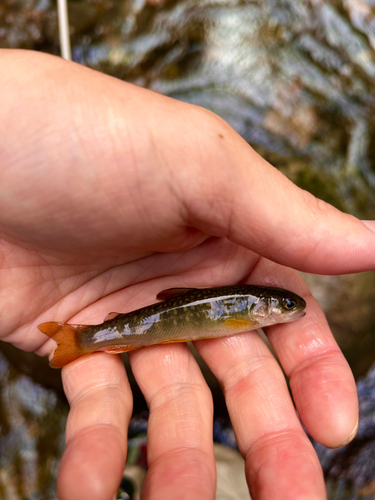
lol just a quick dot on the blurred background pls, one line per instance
(297, 80)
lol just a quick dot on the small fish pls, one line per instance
(184, 314)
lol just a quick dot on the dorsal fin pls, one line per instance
(111, 316)
(169, 293)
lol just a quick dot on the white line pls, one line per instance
(62, 12)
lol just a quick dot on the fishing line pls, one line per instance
(62, 14)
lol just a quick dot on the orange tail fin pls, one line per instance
(69, 347)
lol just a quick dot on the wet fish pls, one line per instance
(184, 314)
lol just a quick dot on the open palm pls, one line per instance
(117, 193)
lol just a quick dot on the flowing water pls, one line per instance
(295, 79)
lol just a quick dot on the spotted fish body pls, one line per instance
(185, 314)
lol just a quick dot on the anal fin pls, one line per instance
(176, 341)
(118, 349)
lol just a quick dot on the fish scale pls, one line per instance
(183, 314)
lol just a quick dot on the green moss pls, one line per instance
(364, 204)
(320, 185)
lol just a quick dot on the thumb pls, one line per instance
(242, 197)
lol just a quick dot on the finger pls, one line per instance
(268, 432)
(179, 437)
(256, 206)
(321, 381)
(96, 435)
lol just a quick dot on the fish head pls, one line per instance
(286, 306)
(275, 305)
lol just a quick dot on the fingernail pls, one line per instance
(370, 224)
(352, 435)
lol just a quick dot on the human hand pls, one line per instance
(111, 193)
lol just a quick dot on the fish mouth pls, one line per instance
(295, 315)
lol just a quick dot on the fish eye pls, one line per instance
(289, 304)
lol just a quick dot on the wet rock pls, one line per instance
(33, 24)
(362, 17)
(32, 365)
(348, 302)
(24, 24)
(350, 471)
(32, 424)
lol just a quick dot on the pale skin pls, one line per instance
(111, 193)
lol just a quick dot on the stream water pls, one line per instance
(296, 80)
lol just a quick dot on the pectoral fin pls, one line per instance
(169, 293)
(239, 324)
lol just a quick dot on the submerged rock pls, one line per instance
(32, 424)
(350, 471)
(348, 302)
(296, 80)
